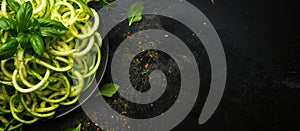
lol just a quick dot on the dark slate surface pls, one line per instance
(262, 44)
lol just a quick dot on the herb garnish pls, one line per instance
(109, 90)
(134, 13)
(22, 29)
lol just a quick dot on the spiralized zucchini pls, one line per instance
(32, 87)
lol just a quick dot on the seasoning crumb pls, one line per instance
(166, 35)
(147, 65)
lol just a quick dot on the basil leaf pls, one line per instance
(23, 39)
(51, 27)
(23, 16)
(78, 128)
(51, 23)
(109, 89)
(8, 49)
(33, 25)
(14, 5)
(8, 25)
(4, 24)
(12, 24)
(49, 31)
(37, 44)
(135, 19)
(134, 13)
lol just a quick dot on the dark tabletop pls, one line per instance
(261, 40)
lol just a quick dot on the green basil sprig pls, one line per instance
(24, 30)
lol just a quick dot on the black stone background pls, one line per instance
(261, 40)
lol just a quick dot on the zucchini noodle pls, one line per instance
(33, 87)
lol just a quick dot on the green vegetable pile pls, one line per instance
(49, 53)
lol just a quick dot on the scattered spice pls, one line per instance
(147, 65)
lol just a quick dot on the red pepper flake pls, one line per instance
(147, 65)
(128, 33)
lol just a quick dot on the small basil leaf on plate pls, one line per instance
(109, 89)
(8, 49)
(23, 16)
(37, 44)
(134, 13)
